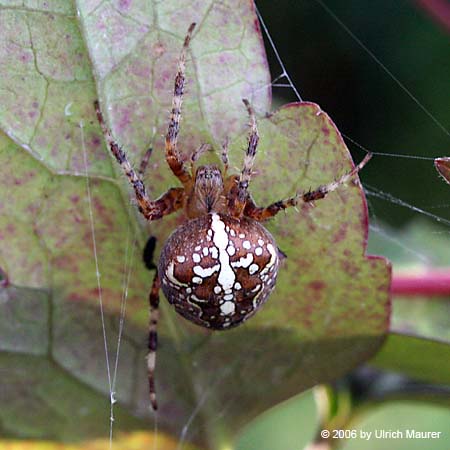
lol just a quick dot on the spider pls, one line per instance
(219, 267)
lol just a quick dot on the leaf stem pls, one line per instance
(432, 283)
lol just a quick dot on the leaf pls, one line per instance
(423, 359)
(278, 428)
(443, 167)
(330, 309)
(40, 399)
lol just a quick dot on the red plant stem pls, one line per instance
(439, 10)
(432, 283)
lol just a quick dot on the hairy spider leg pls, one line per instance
(263, 213)
(146, 206)
(173, 158)
(169, 202)
(153, 338)
(238, 197)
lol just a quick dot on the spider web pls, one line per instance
(281, 81)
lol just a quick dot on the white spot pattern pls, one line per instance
(171, 276)
(205, 272)
(244, 262)
(256, 288)
(273, 259)
(227, 308)
(253, 269)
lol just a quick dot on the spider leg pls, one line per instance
(153, 338)
(197, 153)
(144, 162)
(261, 213)
(224, 156)
(173, 158)
(239, 196)
(146, 206)
(148, 254)
(169, 202)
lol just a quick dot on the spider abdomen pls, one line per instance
(217, 270)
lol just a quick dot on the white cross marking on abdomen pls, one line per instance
(220, 238)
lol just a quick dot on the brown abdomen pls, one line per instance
(217, 271)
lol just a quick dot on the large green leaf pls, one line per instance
(422, 359)
(330, 309)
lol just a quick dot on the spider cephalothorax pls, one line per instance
(207, 194)
(220, 266)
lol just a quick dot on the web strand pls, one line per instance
(397, 242)
(277, 55)
(374, 192)
(394, 155)
(292, 86)
(99, 287)
(128, 268)
(385, 69)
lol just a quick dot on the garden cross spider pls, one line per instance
(220, 266)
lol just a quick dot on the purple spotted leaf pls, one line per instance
(443, 167)
(330, 309)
